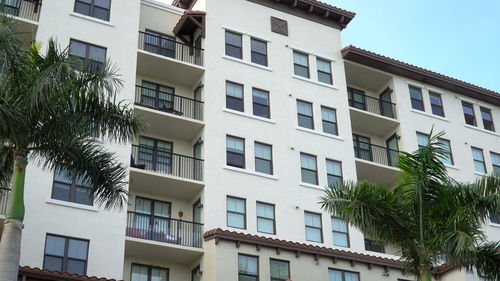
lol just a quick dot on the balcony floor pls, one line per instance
(370, 123)
(153, 250)
(161, 184)
(375, 172)
(167, 69)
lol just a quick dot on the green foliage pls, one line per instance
(427, 215)
(51, 105)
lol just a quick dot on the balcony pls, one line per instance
(183, 116)
(162, 58)
(168, 238)
(160, 171)
(26, 13)
(372, 116)
(376, 163)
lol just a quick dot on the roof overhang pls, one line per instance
(188, 23)
(34, 273)
(184, 4)
(396, 67)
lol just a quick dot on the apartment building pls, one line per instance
(254, 107)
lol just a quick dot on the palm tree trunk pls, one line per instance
(10, 243)
(425, 276)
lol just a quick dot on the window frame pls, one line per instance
(92, 9)
(303, 115)
(65, 258)
(412, 100)
(86, 59)
(351, 93)
(346, 233)
(235, 98)
(323, 121)
(341, 170)
(483, 162)
(487, 110)
(320, 228)
(300, 65)
(330, 76)
(256, 52)
(450, 152)
(268, 106)
(234, 46)
(258, 266)
(473, 116)
(72, 191)
(495, 167)
(343, 272)
(309, 170)
(243, 154)
(271, 172)
(150, 268)
(278, 260)
(440, 106)
(234, 212)
(371, 242)
(264, 218)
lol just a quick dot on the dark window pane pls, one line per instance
(233, 51)
(234, 159)
(61, 191)
(53, 263)
(259, 52)
(234, 103)
(76, 267)
(261, 110)
(309, 176)
(263, 166)
(306, 122)
(102, 3)
(82, 8)
(301, 71)
(54, 245)
(233, 39)
(437, 110)
(101, 13)
(259, 59)
(83, 196)
(325, 77)
(416, 104)
(329, 128)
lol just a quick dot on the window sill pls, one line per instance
(247, 63)
(319, 133)
(72, 205)
(494, 224)
(430, 115)
(480, 174)
(248, 115)
(481, 130)
(314, 82)
(452, 167)
(313, 186)
(91, 19)
(249, 172)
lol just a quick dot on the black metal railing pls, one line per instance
(166, 162)
(168, 47)
(375, 153)
(374, 105)
(4, 197)
(27, 9)
(163, 229)
(168, 102)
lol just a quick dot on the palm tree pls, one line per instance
(51, 106)
(427, 215)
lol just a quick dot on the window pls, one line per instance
(155, 154)
(314, 231)
(300, 64)
(258, 51)
(436, 104)
(233, 44)
(495, 161)
(66, 254)
(86, 55)
(235, 151)
(161, 44)
(448, 159)
(324, 71)
(93, 8)
(416, 98)
(308, 169)
(260, 100)
(422, 139)
(357, 98)
(236, 212)
(329, 116)
(374, 246)
(234, 96)
(248, 268)
(151, 220)
(280, 270)
(305, 114)
(263, 158)
(333, 172)
(265, 218)
(340, 233)
(362, 147)
(341, 275)
(157, 96)
(470, 118)
(148, 273)
(71, 189)
(479, 165)
(487, 119)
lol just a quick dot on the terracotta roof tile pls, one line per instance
(52, 275)
(352, 14)
(183, 18)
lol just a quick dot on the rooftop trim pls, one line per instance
(45, 274)
(393, 66)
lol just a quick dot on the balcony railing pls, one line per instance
(168, 102)
(373, 105)
(26, 9)
(375, 153)
(165, 46)
(163, 229)
(4, 197)
(166, 162)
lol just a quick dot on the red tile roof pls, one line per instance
(45, 274)
(340, 10)
(182, 20)
(421, 71)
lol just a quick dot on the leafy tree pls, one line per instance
(51, 107)
(428, 215)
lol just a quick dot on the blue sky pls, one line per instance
(457, 38)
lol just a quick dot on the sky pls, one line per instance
(457, 38)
